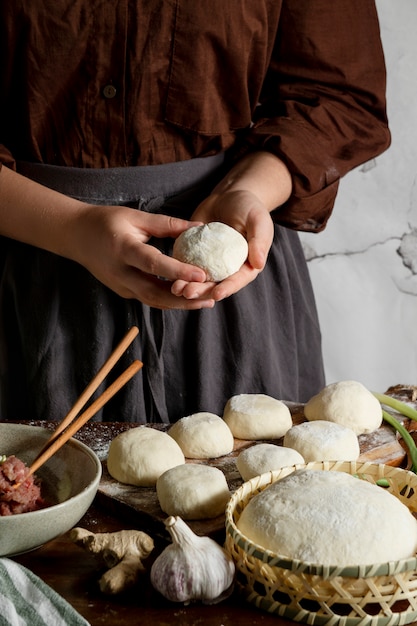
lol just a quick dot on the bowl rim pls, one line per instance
(257, 484)
(72, 442)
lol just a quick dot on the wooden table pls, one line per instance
(74, 574)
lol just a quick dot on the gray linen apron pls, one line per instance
(58, 324)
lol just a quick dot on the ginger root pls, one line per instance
(122, 551)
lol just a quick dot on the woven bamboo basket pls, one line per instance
(383, 594)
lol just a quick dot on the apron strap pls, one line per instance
(120, 185)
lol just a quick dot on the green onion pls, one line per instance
(383, 482)
(3, 457)
(407, 411)
(406, 436)
(397, 405)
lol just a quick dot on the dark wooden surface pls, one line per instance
(74, 573)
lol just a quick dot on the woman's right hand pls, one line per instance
(113, 244)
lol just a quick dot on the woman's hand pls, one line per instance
(246, 213)
(112, 243)
(258, 184)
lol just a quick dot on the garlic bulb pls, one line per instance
(192, 567)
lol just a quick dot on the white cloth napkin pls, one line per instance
(25, 600)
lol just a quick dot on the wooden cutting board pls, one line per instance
(140, 507)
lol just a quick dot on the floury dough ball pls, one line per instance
(256, 416)
(193, 491)
(265, 457)
(323, 441)
(216, 248)
(348, 403)
(202, 436)
(330, 518)
(140, 455)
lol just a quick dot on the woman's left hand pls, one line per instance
(243, 211)
(244, 199)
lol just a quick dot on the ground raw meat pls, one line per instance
(26, 497)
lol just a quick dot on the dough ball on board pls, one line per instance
(193, 491)
(265, 457)
(202, 436)
(330, 518)
(257, 416)
(217, 248)
(348, 403)
(140, 455)
(323, 441)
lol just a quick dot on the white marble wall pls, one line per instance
(364, 265)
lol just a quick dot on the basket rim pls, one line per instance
(273, 559)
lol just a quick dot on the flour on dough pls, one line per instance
(348, 403)
(140, 455)
(257, 416)
(193, 491)
(330, 518)
(323, 441)
(215, 247)
(265, 457)
(202, 436)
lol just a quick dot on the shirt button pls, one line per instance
(109, 91)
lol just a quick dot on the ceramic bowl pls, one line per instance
(70, 480)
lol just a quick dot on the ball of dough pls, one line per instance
(202, 436)
(140, 455)
(257, 416)
(193, 491)
(323, 441)
(330, 518)
(215, 247)
(348, 403)
(265, 457)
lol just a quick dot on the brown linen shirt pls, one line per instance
(94, 83)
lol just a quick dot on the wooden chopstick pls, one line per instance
(93, 385)
(57, 436)
(75, 426)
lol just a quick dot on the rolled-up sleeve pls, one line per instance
(6, 157)
(323, 108)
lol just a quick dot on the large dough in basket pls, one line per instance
(330, 518)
